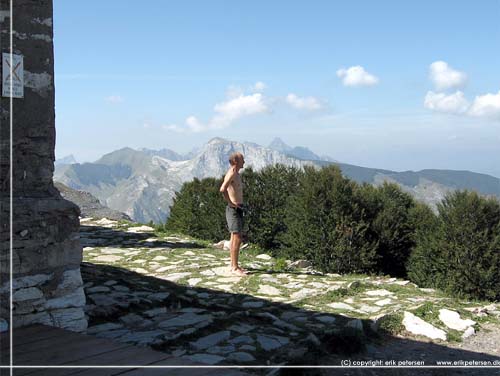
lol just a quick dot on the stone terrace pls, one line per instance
(175, 294)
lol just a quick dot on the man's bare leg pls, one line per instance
(235, 251)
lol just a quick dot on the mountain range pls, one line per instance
(142, 183)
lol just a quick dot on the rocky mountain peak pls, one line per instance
(279, 145)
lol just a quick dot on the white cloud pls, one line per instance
(226, 113)
(236, 108)
(174, 128)
(304, 103)
(445, 77)
(234, 91)
(453, 103)
(357, 76)
(259, 87)
(114, 99)
(194, 124)
(487, 105)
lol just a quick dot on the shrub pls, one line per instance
(326, 225)
(266, 193)
(464, 248)
(391, 324)
(199, 210)
(424, 262)
(394, 229)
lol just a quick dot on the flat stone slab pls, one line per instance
(107, 258)
(207, 273)
(268, 342)
(263, 256)
(205, 358)
(383, 302)
(380, 292)
(240, 357)
(221, 350)
(369, 309)
(242, 328)
(326, 319)
(175, 276)
(159, 296)
(341, 306)
(194, 281)
(92, 290)
(146, 337)
(113, 251)
(243, 339)
(304, 293)
(211, 340)
(416, 325)
(252, 304)
(140, 229)
(452, 320)
(160, 258)
(185, 320)
(268, 290)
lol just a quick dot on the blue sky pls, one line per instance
(389, 84)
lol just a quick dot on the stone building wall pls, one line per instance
(47, 285)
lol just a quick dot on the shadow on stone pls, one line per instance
(222, 328)
(96, 236)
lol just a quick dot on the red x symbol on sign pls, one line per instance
(13, 71)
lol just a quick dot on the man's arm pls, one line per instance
(225, 184)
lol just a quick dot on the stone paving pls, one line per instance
(176, 294)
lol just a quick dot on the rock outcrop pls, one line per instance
(90, 206)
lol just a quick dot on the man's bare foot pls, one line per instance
(239, 271)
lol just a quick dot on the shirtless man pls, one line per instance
(232, 189)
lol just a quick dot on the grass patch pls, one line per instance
(454, 335)
(428, 312)
(355, 288)
(280, 265)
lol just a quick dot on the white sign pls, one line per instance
(12, 75)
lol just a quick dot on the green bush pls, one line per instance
(461, 255)
(326, 225)
(391, 324)
(198, 210)
(394, 229)
(424, 261)
(266, 193)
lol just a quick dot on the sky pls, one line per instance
(388, 84)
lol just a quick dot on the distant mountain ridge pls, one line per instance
(69, 159)
(165, 153)
(142, 183)
(299, 152)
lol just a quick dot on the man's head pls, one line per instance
(237, 160)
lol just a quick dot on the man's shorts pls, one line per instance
(234, 218)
